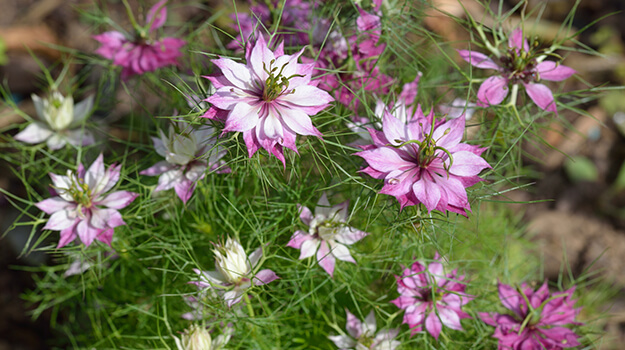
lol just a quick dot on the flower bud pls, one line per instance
(195, 338)
(57, 110)
(231, 261)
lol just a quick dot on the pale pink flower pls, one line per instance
(519, 65)
(423, 161)
(59, 122)
(328, 234)
(363, 336)
(199, 338)
(269, 99)
(431, 297)
(140, 53)
(235, 272)
(537, 318)
(83, 209)
(188, 153)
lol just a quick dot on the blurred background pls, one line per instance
(579, 168)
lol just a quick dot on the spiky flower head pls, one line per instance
(537, 318)
(431, 297)
(83, 208)
(269, 99)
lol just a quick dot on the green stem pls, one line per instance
(250, 310)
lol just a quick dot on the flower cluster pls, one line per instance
(83, 209)
(138, 54)
(328, 234)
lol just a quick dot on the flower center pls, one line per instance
(276, 84)
(520, 66)
(326, 229)
(78, 190)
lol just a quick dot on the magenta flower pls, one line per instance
(235, 272)
(520, 65)
(362, 335)
(269, 99)
(430, 296)
(328, 234)
(423, 161)
(83, 208)
(188, 153)
(59, 122)
(139, 54)
(537, 318)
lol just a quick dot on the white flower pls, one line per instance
(199, 338)
(59, 122)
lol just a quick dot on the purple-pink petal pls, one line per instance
(265, 276)
(549, 70)
(541, 95)
(492, 91)
(478, 60)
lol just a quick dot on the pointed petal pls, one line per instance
(309, 248)
(118, 200)
(298, 238)
(341, 252)
(427, 192)
(478, 60)
(52, 205)
(541, 95)
(549, 70)
(492, 91)
(157, 15)
(264, 277)
(34, 133)
(326, 259)
(466, 163)
(243, 117)
(433, 325)
(59, 220)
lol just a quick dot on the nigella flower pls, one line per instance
(519, 65)
(199, 338)
(328, 234)
(188, 153)
(235, 272)
(362, 335)
(537, 318)
(83, 209)
(60, 122)
(269, 99)
(431, 297)
(423, 161)
(139, 53)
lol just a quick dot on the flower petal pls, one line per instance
(492, 91)
(541, 95)
(550, 70)
(325, 258)
(34, 133)
(477, 59)
(265, 276)
(118, 200)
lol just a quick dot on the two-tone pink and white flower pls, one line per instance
(519, 65)
(189, 152)
(59, 122)
(235, 272)
(198, 337)
(537, 318)
(328, 234)
(363, 336)
(423, 161)
(83, 208)
(431, 297)
(269, 99)
(139, 53)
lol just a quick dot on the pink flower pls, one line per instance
(235, 272)
(362, 335)
(431, 297)
(59, 122)
(141, 54)
(328, 234)
(537, 318)
(520, 65)
(83, 209)
(188, 153)
(423, 161)
(269, 99)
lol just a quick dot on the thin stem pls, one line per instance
(250, 310)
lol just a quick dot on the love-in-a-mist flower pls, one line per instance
(138, 53)
(269, 99)
(363, 336)
(328, 234)
(83, 209)
(199, 338)
(520, 64)
(423, 161)
(431, 297)
(235, 272)
(188, 152)
(59, 122)
(537, 318)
